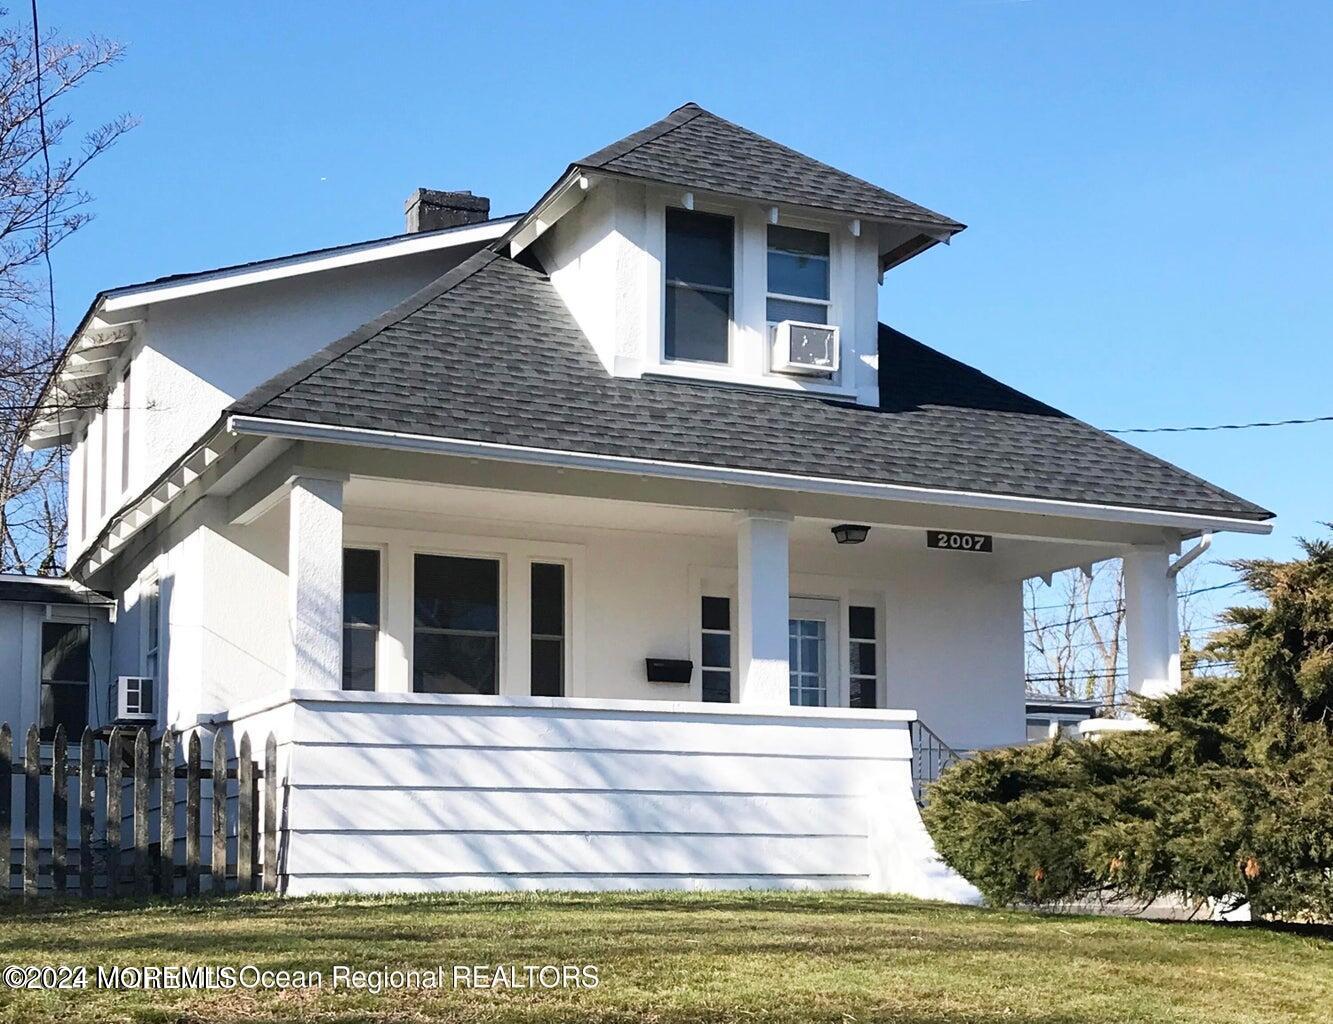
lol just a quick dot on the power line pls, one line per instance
(46, 158)
(1118, 609)
(1222, 426)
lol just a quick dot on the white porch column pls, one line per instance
(1151, 621)
(762, 608)
(315, 581)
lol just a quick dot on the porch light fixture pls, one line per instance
(849, 533)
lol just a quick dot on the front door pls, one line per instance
(812, 643)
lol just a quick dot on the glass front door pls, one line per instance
(807, 642)
(811, 635)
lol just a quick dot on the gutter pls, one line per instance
(292, 430)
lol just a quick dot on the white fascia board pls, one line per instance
(596, 705)
(296, 431)
(295, 266)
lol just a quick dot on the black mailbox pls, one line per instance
(669, 670)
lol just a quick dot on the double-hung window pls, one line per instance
(798, 275)
(456, 625)
(64, 697)
(700, 266)
(548, 629)
(361, 617)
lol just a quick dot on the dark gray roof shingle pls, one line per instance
(695, 148)
(941, 425)
(41, 590)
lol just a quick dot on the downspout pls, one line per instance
(1205, 542)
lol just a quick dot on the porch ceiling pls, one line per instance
(415, 505)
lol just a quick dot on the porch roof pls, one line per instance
(488, 353)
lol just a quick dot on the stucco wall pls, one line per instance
(951, 648)
(194, 356)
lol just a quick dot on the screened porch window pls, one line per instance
(699, 282)
(456, 625)
(64, 696)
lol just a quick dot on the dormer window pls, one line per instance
(700, 266)
(798, 275)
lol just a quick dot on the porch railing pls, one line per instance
(930, 756)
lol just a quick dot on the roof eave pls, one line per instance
(1186, 523)
(579, 179)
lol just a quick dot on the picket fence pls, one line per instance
(146, 867)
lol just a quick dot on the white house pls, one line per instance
(614, 544)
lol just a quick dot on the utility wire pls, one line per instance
(46, 158)
(1222, 426)
(1119, 607)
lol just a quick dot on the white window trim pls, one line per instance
(826, 303)
(503, 616)
(379, 631)
(567, 653)
(749, 352)
(703, 583)
(148, 583)
(400, 547)
(737, 236)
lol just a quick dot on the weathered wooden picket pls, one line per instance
(148, 867)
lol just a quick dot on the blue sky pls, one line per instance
(1146, 184)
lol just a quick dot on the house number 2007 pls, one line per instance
(952, 540)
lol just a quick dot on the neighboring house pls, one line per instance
(55, 657)
(556, 574)
(1049, 717)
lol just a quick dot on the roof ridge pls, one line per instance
(695, 113)
(822, 163)
(267, 391)
(649, 133)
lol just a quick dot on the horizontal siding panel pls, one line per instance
(545, 853)
(526, 810)
(587, 730)
(627, 770)
(308, 885)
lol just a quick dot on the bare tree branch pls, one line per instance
(37, 212)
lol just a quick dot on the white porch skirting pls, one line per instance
(425, 793)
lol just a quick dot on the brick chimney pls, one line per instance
(428, 209)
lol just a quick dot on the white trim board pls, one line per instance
(589, 704)
(310, 263)
(292, 430)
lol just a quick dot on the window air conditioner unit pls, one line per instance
(809, 350)
(135, 699)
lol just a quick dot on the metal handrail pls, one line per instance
(930, 756)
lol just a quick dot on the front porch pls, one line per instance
(401, 586)
(462, 692)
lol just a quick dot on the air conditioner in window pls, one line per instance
(810, 350)
(134, 699)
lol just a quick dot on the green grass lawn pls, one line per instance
(730, 956)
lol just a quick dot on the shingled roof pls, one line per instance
(694, 148)
(940, 424)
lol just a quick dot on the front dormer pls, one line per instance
(697, 249)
